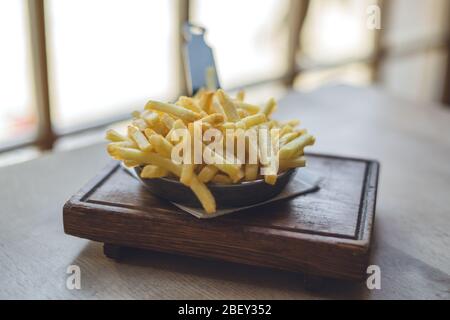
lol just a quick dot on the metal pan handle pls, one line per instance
(198, 58)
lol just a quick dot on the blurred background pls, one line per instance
(68, 68)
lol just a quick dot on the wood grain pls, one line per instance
(325, 233)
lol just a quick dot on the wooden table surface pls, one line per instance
(412, 224)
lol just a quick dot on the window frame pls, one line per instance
(46, 135)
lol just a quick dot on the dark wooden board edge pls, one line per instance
(345, 258)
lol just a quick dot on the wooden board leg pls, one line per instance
(113, 251)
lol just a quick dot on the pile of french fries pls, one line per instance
(152, 139)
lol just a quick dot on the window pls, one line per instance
(108, 57)
(17, 114)
(249, 37)
(335, 34)
(416, 29)
(335, 31)
(415, 20)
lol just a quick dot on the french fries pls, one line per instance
(139, 138)
(203, 194)
(250, 108)
(177, 111)
(240, 96)
(251, 172)
(296, 146)
(207, 173)
(222, 179)
(270, 107)
(247, 143)
(151, 171)
(228, 106)
(114, 136)
(251, 121)
(161, 145)
(292, 163)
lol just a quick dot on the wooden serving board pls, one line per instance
(326, 233)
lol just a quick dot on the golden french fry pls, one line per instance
(272, 124)
(210, 76)
(189, 103)
(296, 146)
(270, 107)
(251, 121)
(161, 145)
(228, 125)
(222, 179)
(240, 175)
(154, 123)
(141, 157)
(167, 120)
(205, 100)
(293, 123)
(151, 171)
(233, 170)
(205, 125)
(199, 93)
(285, 130)
(136, 114)
(178, 124)
(271, 176)
(251, 172)
(139, 138)
(130, 163)
(251, 145)
(164, 163)
(292, 163)
(149, 132)
(151, 118)
(187, 173)
(114, 136)
(140, 123)
(125, 144)
(250, 108)
(240, 96)
(207, 173)
(289, 137)
(271, 179)
(216, 107)
(242, 113)
(228, 106)
(174, 110)
(215, 119)
(264, 145)
(203, 194)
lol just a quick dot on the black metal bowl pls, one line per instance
(226, 195)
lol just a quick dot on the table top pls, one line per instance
(411, 239)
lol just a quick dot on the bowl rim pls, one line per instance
(212, 184)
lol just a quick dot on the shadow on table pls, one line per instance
(238, 281)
